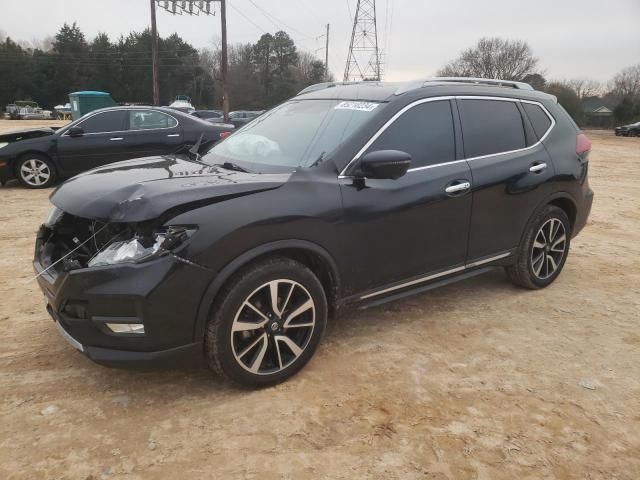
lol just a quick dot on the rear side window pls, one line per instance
(425, 132)
(149, 120)
(491, 126)
(539, 120)
(112, 121)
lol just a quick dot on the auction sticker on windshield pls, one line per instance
(361, 106)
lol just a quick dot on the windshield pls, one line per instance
(296, 133)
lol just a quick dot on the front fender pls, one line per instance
(208, 300)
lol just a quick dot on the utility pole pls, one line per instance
(197, 7)
(326, 57)
(223, 67)
(154, 55)
(363, 61)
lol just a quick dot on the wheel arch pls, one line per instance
(562, 200)
(566, 202)
(310, 254)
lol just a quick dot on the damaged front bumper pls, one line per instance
(6, 173)
(157, 294)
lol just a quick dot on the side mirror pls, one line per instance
(385, 164)
(76, 132)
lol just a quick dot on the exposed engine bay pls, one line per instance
(66, 242)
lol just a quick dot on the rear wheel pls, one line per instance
(268, 323)
(543, 252)
(35, 171)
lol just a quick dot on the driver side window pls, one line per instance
(105, 122)
(425, 132)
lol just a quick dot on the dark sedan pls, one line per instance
(37, 157)
(240, 118)
(210, 115)
(632, 130)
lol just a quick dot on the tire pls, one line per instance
(258, 345)
(35, 171)
(538, 260)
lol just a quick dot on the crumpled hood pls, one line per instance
(143, 189)
(26, 134)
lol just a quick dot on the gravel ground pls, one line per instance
(478, 380)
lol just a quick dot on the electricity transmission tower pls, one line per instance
(190, 7)
(364, 60)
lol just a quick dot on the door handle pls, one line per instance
(173, 135)
(538, 167)
(116, 139)
(458, 187)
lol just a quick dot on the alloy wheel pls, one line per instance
(273, 326)
(549, 248)
(35, 172)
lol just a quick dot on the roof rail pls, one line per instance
(321, 86)
(470, 80)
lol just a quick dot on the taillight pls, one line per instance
(583, 144)
(224, 135)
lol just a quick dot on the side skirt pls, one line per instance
(429, 282)
(425, 288)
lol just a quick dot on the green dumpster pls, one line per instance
(85, 102)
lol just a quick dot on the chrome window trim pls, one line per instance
(426, 278)
(127, 110)
(389, 122)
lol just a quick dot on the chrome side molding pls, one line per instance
(417, 281)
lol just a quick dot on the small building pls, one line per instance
(597, 113)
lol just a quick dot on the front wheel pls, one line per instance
(35, 171)
(544, 250)
(267, 324)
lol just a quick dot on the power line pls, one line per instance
(91, 64)
(247, 18)
(97, 58)
(273, 19)
(308, 9)
(387, 40)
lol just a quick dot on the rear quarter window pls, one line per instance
(490, 127)
(538, 118)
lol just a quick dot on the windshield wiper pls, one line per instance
(319, 160)
(233, 166)
(195, 150)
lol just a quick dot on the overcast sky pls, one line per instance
(572, 38)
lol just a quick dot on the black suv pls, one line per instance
(345, 194)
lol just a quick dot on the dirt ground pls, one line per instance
(9, 125)
(478, 380)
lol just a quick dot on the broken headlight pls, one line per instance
(141, 248)
(53, 216)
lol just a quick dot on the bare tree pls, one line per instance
(45, 44)
(494, 58)
(627, 83)
(585, 87)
